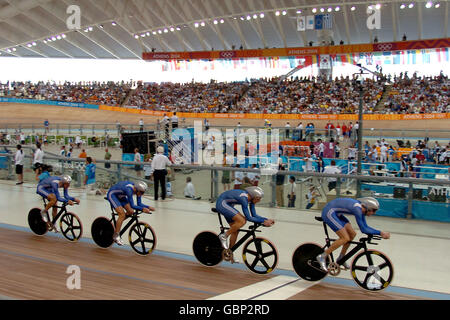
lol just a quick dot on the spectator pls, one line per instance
(159, 167)
(78, 141)
(189, 190)
(46, 126)
(147, 167)
(238, 178)
(337, 150)
(292, 191)
(38, 159)
(253, 176)
(107, 157)
(44, 172)
(246, 182)
(332, 169)
(18, 159)
(308, 163)
(174, 121)
(137, 158)
(83, 154)
(89, 178)
(320, 165)
(311, 197)
(280, 179)
(141, 125)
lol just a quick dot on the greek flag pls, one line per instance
(327, 21)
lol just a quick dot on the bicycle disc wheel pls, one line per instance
(207, 248)
(260, 255)
(142, 238)
(102, 232)
(372, 270)
(37, 225)
(302, 260)
(70, 226)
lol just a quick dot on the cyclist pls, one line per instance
(48, 188)
(246, 198)
(333, 216)
(120, 196)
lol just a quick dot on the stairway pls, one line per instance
(380, 104)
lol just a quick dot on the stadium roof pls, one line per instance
(123, 29)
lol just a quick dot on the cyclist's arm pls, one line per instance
(253, 217)
(129, 193)
(140, 204)
(66, 195)
(56, 192)
(361, 220)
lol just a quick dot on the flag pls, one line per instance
(301, 23)
(328, 21)
(325, 62)
(310, 22)
(318, 21)
(396, 57)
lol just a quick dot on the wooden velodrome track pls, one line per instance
(33, 267)
(25, 113)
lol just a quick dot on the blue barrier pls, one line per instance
(436, 211)
(52, 103)
(396, 208)
(3, 160)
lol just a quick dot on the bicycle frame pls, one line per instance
(361, 244)
(248, 233)
(62, 207)
(133, 217)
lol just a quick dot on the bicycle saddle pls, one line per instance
(318, 219)
(214, 210)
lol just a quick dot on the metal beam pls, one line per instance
(47, 24)
(445, 34)
(225, 44)
(394, 22)
(171, 22)
(258, 31)
(280, 26)
(419, 21)
(235, 25)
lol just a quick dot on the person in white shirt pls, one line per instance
(383, 153)
(332, 169)
(352, 153)
(287, 126)
(291, 193)
(141, 125)
(238, 178)
(300, 131)
(159, 167)
(254, 177)
(137, 158)
(189, 190)
(18, 159)
(78, 141)
(22, 138)
(308, 163)
(321, 148)
(174, 121)
(38, 159)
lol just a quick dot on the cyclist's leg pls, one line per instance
(351, 235)
(237, 223)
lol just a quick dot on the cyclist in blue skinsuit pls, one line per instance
(48, 189)
(246, 198)
(333, 216)
(120, 196)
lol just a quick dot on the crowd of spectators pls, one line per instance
(419, 95)
(306, 95)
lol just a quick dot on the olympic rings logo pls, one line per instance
(227, 54)
(384, 46)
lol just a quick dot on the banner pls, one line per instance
(301, 23)
(284, 52)
(310, 22)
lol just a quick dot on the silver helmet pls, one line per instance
(370, 203)
(141, 186)
(66, 179)
(255, 192)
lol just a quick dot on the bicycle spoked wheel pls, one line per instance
(260, 255)
(372, 270)
(304, 263)
(142, 238)
(208, 248)
(70, 226)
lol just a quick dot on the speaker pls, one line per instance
(139, 140)
(417, 194)
(399, 193)
(437, 194)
